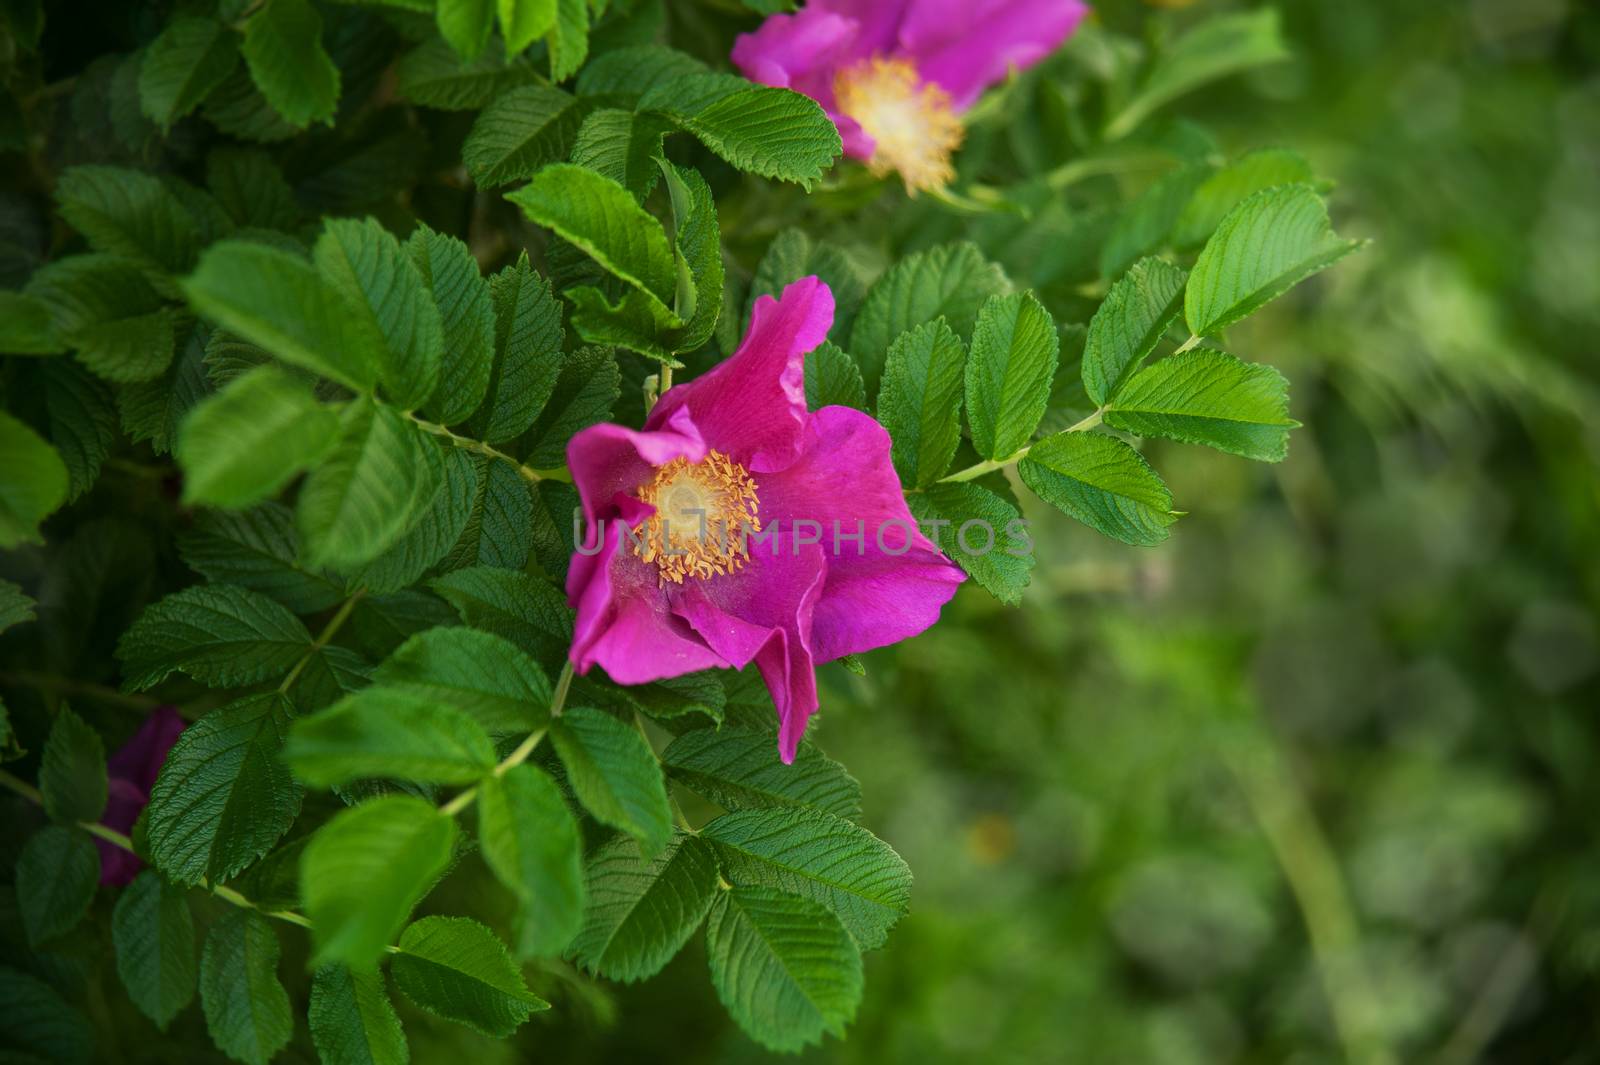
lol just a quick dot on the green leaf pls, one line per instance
(364, 871)
(601, 218)
(366, 265)
(25, 326)
(467, 318)
(283, 48)
(247, 1009)
(382, 475)
(56, 876)
(824, 858)
(108, 312)
(1208, 397)
(628, 73)
(391, 733)
(72, 775)
(39, 1025)
(952, 280)
(524, 21)
(1264, 247)
(623, 146)
(434, 529)
(738, 768)
(455, 968)
(352, 1020)
(920, 403)
(1144, 224)
(257, 549)
(642, 911)
(568, 40)
(586, 390)
(238, 108)
(532, 843)
(793, 255)
(251, 188)
(961, 518)
(784, 967)
(1136, 314)
(1102, 482)
(130, 213)
(33, 482)
(1218, 47)
(183, 64)
(328, 676)
(697, 238)
(434, 74)
(833, 378)
(776, 133)
(615, 775)
(279, 302)
(476, 673)
(223, 797)
(220, 635)
(153, 410)
(466, 25)
(527, 353)
(83, 421)
(521, 131)
(154, 936)
(1225, 189)
(1008, 373)
(664, 700)
(521, 608)
(499, 528)
(15, 607)
(243, 444)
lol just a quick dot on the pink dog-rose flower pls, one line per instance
(895, 75)
(738, 527)
(132, 772)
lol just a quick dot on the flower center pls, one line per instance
(914, 128)
(705, 512)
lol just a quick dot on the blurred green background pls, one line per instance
(1314, 781)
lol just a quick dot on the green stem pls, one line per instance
(479, 447)
(329, 630)
(990, 465)
(1188, 345)
(46, 682)
(525, 749)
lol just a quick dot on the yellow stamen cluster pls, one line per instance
(705, 512)
(912, 122)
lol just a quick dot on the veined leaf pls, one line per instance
(1208, 397)
(247, 1009)
(56, 876)
(220, 635)
(466, 315)
(387, 732)
(466, 25)
(776, 133)
(521, 131)
(72, 774)
(982, 532)
(365, 870)
(83, 421)
(15, 607)
(129, 213)
(568, 39)
(736, 768)
(455, 968)
(793, 255)
(477, 673)
(641, 912)
(241, 445)
(106, 310)
(524, 21)
(499, 528)
(352, 1020)
(154, 936)
(1134, 317)
(783, 965)
(615, 775)
(283, 48)
(251, 188)
(521, 608)
(623, 146)
(527, 353)
(1224, 190)
(1102, 482)
(824, 858)
(33, 482)
(1008, 373)
(39, 1024)
(257, 549)
(1144, 225)
(182, 65)
(920, 403)
(434, 528)
(833, 378)
(1265, 246)
(628, 73)
(586, 390)
(223, 797)
(532, 843)
(25, 326)
(434, 74)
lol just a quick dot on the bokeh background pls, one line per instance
(1315, 780)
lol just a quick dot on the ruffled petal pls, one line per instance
(763, 613)
(752, 407)
(965, 46)
(893, 583)
(607, 460)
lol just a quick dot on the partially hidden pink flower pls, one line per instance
(894, 75)
(132, 771)
(736, 527)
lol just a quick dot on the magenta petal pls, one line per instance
(798, 51)
(607, 460)
(763, 613)
(890, 586)
(131, 773)
(753, 406)
(968, 45)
